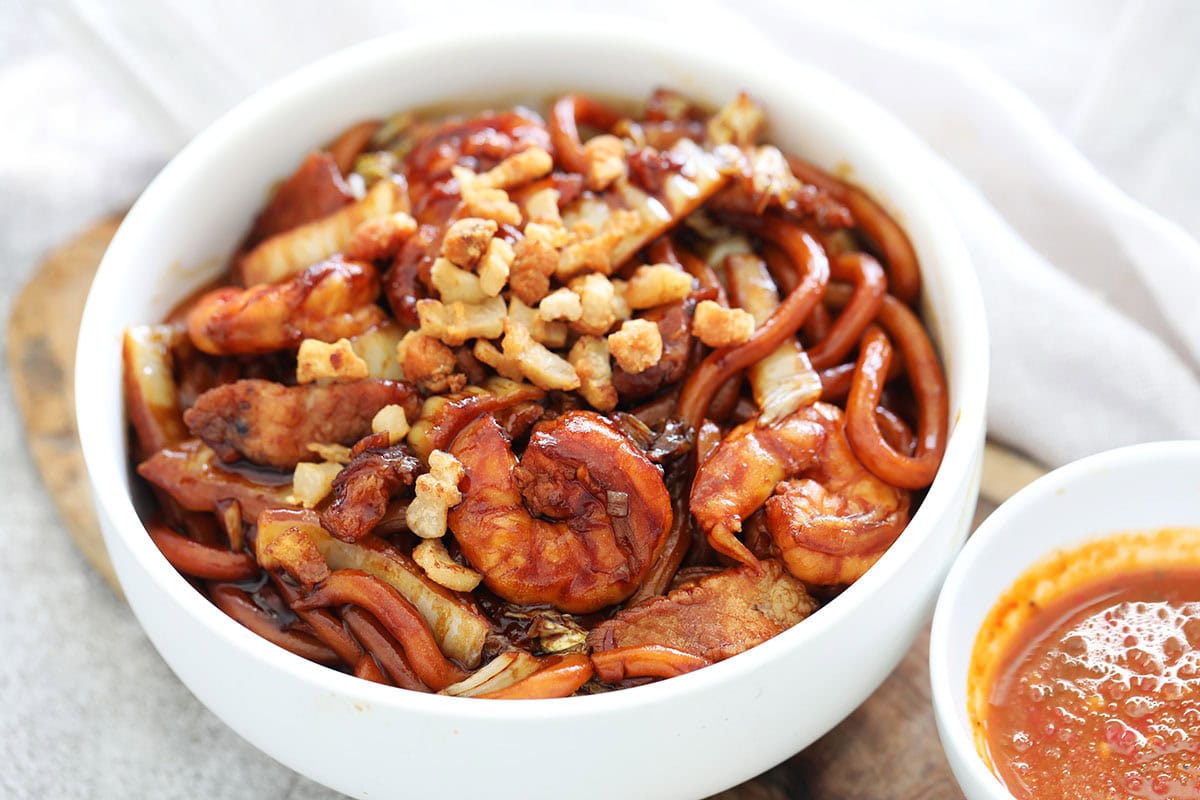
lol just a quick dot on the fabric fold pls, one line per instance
(1091, 296)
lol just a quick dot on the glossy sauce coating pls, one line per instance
(509, 368)
(1099, 697)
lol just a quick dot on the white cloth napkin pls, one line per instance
(1091, 298)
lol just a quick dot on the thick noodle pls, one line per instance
(723, 364)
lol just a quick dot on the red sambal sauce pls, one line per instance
(1099, 696)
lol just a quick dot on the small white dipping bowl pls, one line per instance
(685, 737)
(1146, 487)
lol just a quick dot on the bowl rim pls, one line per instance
(965, 316)
(958, 744)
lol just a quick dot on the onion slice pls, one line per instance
(501, 672)
(458, 626)
(784, 380)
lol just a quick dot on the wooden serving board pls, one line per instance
(41, 358)
(888, 748)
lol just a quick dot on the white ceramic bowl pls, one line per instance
(685, 737)
(1141, 488)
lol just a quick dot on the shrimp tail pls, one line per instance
(723, 539)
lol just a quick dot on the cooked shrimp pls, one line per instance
(837, 519)
(330, 300)
(577, 523)
(744, 470)
(828, 516)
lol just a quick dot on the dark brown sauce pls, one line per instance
(254, 473)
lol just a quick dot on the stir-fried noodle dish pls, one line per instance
(502, 406)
